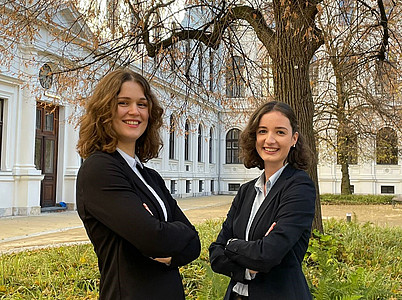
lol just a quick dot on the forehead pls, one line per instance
(132, 88)
(274, 119)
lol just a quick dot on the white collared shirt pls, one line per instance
(132, 162)
(240, 288)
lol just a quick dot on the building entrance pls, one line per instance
(47, 125)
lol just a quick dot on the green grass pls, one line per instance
(352, 261)
(355, 199)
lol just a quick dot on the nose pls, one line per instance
(270, 138)
(133, 109)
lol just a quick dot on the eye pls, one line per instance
(261, 131)
(281, 132)
(143, 104)
(122, 103)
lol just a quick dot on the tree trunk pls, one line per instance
(345, 183)
(292, 86)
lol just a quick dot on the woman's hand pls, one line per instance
(164, 260)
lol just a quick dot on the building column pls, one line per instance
(72, 162)
(27, 179)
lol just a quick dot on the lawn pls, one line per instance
(352, 261)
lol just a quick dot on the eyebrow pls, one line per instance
(128, 98)
(279, 127)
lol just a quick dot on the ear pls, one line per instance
(295, 137)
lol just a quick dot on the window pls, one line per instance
(232, 146)
(1, 123)
(171, 137)
(173, 187)
(211, 133)
(234, 187)
(188, 186)
(200, 64)
(212, 186)
(387, 189)
(234, 78)
(211, 70)
(352, 188)
(347, 150)
(187, 59)
(387, 147)
(186, 141)
(267, 77)
(199, 143)
(200, 186)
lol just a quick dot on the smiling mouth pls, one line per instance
(271, 149)
(132, 122)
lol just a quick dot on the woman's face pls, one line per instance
(131, 118)
(273, 139)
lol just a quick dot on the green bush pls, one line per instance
(351, 261)
(354, 261)
(355, 199)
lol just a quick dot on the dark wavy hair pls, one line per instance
(96, 131)
(299, 156)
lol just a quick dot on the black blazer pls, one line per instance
(110, 199)
(278, 256)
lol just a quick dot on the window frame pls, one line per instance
(232, 146)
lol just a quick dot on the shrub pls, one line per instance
(355, 199)
(351, 261)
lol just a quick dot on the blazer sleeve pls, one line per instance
(107, 196)
(193, 248)
(221, 263)
(294, 218)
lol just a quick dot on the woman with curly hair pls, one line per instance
(139, 233)
(265, 235)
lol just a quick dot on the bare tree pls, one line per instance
(172, 34)
(358, 82)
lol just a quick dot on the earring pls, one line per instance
(294, 146)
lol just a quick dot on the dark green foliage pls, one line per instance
(355, 199)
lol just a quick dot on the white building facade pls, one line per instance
(38, 137)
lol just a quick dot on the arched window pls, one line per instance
(211, 134)
(387, 147)
(171, 137)
(186, 140)
(347, 149)
(232, 146)
(199, 143)
(234, 77)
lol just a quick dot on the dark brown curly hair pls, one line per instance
(299, 156)
(96, 131)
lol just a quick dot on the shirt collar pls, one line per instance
(132, 161)
(259, 184)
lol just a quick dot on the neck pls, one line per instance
(271, 170)
(127, 148)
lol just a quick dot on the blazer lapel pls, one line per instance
(245, 210)
(137, 182)
(287, 172)
(157, 189)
